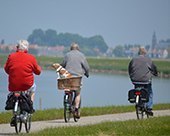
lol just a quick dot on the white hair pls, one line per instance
(23, 45)
(142, 51)
(74, 46)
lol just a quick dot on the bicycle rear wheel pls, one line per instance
(28, 123)
(146, 113)
(67, 112)
(18, 124)
(17, 119)
(139, 112)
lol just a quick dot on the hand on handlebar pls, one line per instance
(86, 74)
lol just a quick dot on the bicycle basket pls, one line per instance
(72, 83)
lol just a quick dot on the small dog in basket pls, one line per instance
(63, 73)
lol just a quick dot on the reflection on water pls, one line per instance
(97, 90)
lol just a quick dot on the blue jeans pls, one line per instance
(148, 87)
(150, 92)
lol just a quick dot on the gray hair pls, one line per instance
(74, 46)
(142, 51)
(23, 45)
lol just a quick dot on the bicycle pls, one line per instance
(69, 85)
(21, 110)
(69, 105)
(140, 97)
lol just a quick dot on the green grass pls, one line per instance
(158, 126)
(163, 66)
(45, 62)
(150, 127)
(108, 63)
(100, 64)
(50, 114)
(3, 59)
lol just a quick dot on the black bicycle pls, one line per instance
(69, 106)
(69, 85)
(21, 104)
(140, 97)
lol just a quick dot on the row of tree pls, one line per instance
(90, 46)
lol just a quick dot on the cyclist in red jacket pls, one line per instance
(21, 67)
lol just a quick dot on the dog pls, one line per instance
(63, 73)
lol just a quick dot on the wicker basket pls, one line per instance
(73, 83)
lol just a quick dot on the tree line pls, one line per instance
(91, 46)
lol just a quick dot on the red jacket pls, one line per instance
(20, 67)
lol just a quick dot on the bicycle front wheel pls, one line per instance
(139, 112)
(28, 123)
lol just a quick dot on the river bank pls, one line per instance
(102, 65)
(118, 72)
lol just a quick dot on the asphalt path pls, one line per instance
(6, 129)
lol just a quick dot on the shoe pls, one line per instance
(32, 111)
(77, 113)
(149, 111)
(12, 123)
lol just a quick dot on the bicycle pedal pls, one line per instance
(12, 123)
(77, 114)
(150, 113)
(78, 117)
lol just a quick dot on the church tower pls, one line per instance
(154, 41)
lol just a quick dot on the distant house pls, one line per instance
(160, 49)
(50, 51)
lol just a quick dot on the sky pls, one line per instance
(119, 22)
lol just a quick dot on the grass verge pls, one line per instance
(158, 126)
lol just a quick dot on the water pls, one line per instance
(97, 90)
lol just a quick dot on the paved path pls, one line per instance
(5, 129)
